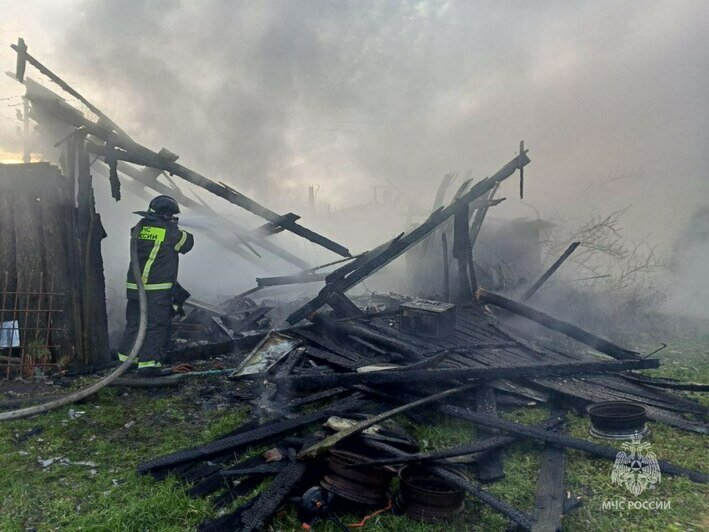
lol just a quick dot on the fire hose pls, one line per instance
(120, 370)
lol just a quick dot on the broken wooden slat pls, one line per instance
(262, 469)
(670, 384)
(479, 217)
(343, 306)
(578, 334)
(299, 278)
(330, 345)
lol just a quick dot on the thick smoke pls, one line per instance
(275, 96)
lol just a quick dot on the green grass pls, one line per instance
(113, 497)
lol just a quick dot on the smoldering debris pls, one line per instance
(326, 375)
(364, 361)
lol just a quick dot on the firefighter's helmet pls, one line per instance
(164, 206)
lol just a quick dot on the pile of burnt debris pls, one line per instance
(424, 360)
(352, 369)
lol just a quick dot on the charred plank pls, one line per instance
(310, 382)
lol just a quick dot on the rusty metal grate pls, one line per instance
(28, 306)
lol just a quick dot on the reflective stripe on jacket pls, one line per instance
(160, 242)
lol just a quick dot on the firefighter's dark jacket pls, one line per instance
(159, 243)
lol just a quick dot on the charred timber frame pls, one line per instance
(148, 178)
(137, 154)
(372, 262)
(119, 146)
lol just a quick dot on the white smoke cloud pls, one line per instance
(274, 96)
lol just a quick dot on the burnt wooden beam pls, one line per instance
(562, 440)
(147, 178)
(252, 516)
(257, 435)
(446, 269)
(22, 55)
(313, 382)
(551, 495)
(370, 264)
(570, 330)
(299, 278)
(146, 157)
(463, 254)
(261, 469)
(242, 233)
(545, 276)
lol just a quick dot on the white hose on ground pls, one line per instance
(120, 370)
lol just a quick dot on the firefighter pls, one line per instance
(160, 241)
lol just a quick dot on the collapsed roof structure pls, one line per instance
(357, 366)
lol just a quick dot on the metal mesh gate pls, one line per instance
(28, 304)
